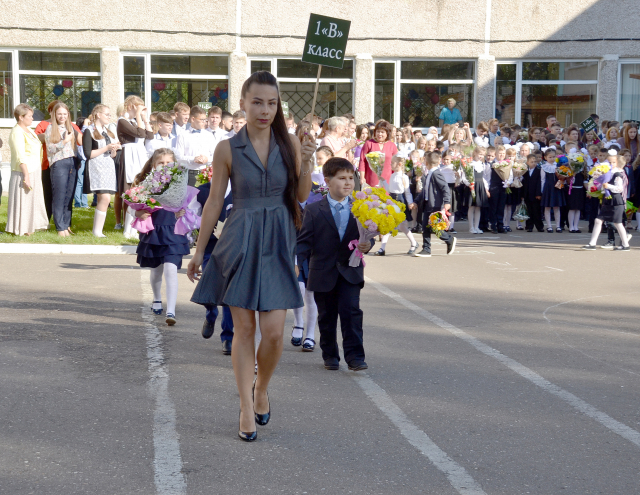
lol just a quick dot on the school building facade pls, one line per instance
(514, 60)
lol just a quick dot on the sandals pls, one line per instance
(296, 341)
(308, 345)
(157, 311)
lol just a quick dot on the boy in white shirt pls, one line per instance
(181, 122)
(215, 118)
(164, 138)
(194, 148)
(239, 120)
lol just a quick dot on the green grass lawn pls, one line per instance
(81, 225)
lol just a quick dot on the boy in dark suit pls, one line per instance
(212, 311)
(435, 195)
(328, 227)
(532, 194)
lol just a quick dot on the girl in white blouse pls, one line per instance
(398, 189)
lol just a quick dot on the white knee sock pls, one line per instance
(312, 315)
(597, 227)
(128, 220)
(171, 282)
(403, 227)
(556, 214)
(547, 217)
(570, 218)
(476, 218)
(98, 222)
(156, 285)
(298, 315)
(385, 239)
(623, 234)
(470, 217)
(452, 220)
(506, 217)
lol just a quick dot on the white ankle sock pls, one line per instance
(98, 222)
(385, 239)
(171, 282)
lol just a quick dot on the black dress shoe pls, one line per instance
(296, 341)
(358, 365)
(207, 329)
(380, 252)
(529, 230)
(332, 364)
(226, 347)
(247, 436)
(451, 246)
(262, 419)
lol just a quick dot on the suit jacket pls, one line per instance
(438, 194)
(531, 186)
(203, 195)
(319, 242)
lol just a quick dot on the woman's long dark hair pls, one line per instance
(283, 141)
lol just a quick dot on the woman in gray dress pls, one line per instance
(252, 266)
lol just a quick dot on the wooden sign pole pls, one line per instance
(315, 93)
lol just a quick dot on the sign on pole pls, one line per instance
(325, 44)
(285, 108)
(326, 41)
(588, 124)
(205, 104)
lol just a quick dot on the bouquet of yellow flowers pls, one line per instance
(563, 173)
(376, 161)
(376, 214)
(438, 222)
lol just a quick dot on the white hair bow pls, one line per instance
(613, 152)
(552, 147)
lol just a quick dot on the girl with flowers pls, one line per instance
(399, 190)
(161, 249)
(552, 197)
(613, 207)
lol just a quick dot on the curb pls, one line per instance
(19, 248)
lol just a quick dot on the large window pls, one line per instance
(528, 92)
(297, 83)
(191, 79)
(629, 104)
(416, 91)
(39, 77)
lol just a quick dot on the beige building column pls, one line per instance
(607, 100)
(238, 70)
(363, 88)
(485, 88)
(112, 78)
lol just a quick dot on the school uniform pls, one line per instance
(613, 208)
(497, 201)
(531, 191)
(176, 130)
(191, 144)
(134, 154)
(217, 134)
(593, 206)
(327, 229)
(212, 310)
(160, 142)
(576, 193)
(552, 197)
(434, 195)
(481, 199)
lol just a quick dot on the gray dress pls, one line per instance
(252, 265)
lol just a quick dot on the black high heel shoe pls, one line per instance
(262, 419)
(246, 436)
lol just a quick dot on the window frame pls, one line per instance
(397, 84)
(621, 62)
(148, 76)
(274, 70)
(530, 82)
(16, 73)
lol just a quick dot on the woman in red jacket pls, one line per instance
(381, 142)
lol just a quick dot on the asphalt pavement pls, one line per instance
(508, 367)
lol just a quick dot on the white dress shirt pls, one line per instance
(192, 144)
(218, 134)
(159, 142)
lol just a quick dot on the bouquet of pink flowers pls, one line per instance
(205, 174)
(138, 199)
(168, 184)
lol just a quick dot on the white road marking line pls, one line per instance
(580, 405)
(455, 473)
(167, 463)
(552, 268)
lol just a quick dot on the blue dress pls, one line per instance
(551, 196)
(161, 245)
(252, 264)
